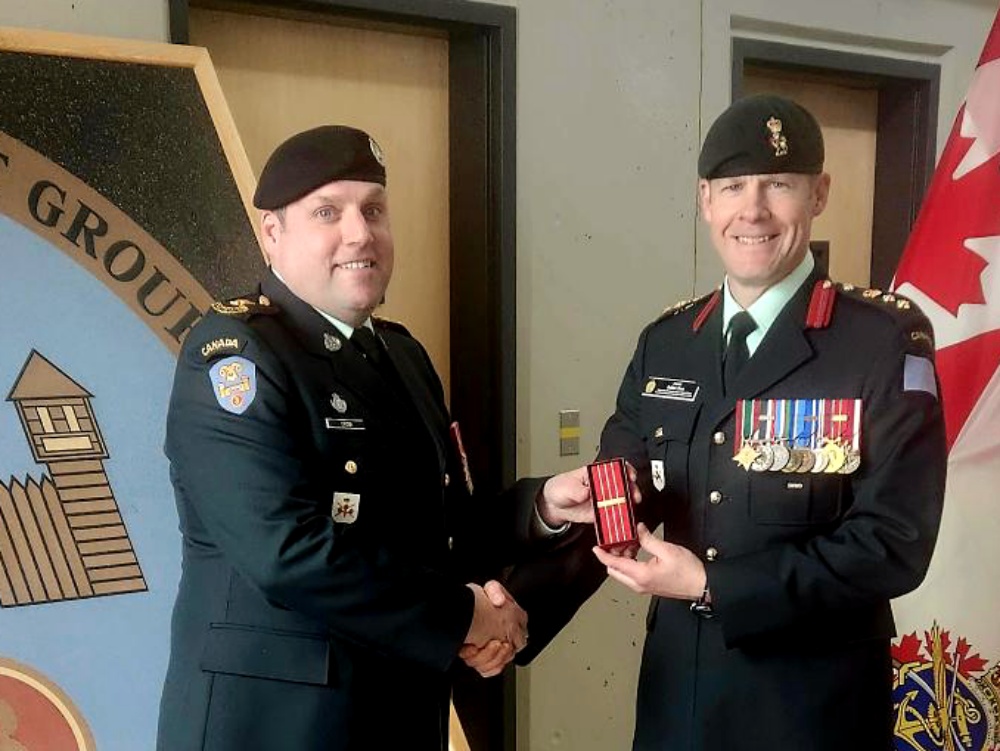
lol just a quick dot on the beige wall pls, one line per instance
(133, 19)
(612, 100)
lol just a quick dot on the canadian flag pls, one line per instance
(947, 659)
(951, 265)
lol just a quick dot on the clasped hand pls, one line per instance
(499, 630)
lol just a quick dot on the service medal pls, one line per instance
(794, 461)
(781, 456)
(806, 459)
(821, 460)
(764, 458)
(852, 463)
(836, 455)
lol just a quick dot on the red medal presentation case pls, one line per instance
(611, 492)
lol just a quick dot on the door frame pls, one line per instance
(482, 46)
(906, 135)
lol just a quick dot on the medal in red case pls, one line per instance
(611, 491)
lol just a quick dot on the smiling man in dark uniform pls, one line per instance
(328, 520)
(788, 435)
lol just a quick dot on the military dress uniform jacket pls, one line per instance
(327, 536)
(801, 566)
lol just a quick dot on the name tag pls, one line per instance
(344, 423)
(676, 389)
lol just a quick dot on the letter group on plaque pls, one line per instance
(799, 435)
(611, 492)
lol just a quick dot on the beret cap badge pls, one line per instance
(777, 140)
(762, 134)
(376, 151)
(315, 157)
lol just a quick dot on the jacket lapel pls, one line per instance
(321, 339)
(784, 348)
(420, 393)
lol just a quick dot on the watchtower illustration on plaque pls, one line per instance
(63, 537)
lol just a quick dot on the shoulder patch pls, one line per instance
(234, 383)
(246, 307)
(389, 325)
(683, 305)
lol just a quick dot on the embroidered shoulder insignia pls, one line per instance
(683, 305)
(246, 307)
(910, 318)
(226, 345)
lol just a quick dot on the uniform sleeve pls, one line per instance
(553, 587)
(882, 546)
(248, 494)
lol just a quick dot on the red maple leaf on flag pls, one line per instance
(951, 213)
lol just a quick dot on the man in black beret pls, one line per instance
(328, 519)
(788, 436)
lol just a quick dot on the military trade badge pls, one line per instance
(346, 507)
(234, 383)
(799, 435)
(659, 477)
(777, 139)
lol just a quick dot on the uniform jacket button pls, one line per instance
(351, 467)
(711, 554)
(715, 497)
(719, 438)
(451, 543)
(447, 479)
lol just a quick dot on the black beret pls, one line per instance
(316, 157)
(762, 135)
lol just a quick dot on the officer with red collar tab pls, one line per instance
(329, 526)
(788, 436)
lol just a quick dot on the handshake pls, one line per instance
(499, 627)
(499, 630)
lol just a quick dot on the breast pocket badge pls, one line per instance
(659, 475)
(346, 507)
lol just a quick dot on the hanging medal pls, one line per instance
(782, 436)
(764, 420)
(820, 457)
(745, 453)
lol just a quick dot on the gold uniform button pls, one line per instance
(351, 467)
(264, 300)
(719, 438)
(451, 543)
(711, 554)
(447, 479)
(715, 497)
